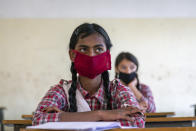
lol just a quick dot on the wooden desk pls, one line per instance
(170, 122)
(150, 122)
(27, 117)
(148, 115)
(158, 129)
(159, 114)
(138, 129)
(18, 123)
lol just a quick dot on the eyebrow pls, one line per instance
(98, 45)
(83, 46)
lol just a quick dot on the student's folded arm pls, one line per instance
(81, 116)
(148, 97)
(55, 97)
(151, 105)
(124, 97)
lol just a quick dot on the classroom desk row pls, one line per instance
(148, 115)
(138, 129)
(159, 114)
(150, 122)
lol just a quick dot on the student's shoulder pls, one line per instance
(117, 85)
(59, 86)
(142, 85)
(66, 82)
(145, 88)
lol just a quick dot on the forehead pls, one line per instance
(126, 62)
(91, 40)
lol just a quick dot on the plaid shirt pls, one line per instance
(121, 96)
(147, 96)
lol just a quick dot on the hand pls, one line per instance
(143, 105)
(52, 109)
(123, 113)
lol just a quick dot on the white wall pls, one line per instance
(97, 8)
(33, 50)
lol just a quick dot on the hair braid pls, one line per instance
(105, 76)
(72, 90)
(138, 83)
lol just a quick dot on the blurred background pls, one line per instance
(34, 38)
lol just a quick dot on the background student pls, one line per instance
(126, 67)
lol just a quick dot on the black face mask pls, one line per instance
(127, 78)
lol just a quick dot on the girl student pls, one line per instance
(126, 67)
(90, 95)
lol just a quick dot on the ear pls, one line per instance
(72, 55)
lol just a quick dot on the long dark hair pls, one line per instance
(130, 57)
(81, 32)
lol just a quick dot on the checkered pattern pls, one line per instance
(147, 96)
(121, 96)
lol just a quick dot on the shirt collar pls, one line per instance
(99, 94)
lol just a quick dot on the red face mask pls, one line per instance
(91, 66)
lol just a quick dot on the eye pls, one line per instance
(99, 50)
(123, 67)
(83, 50)
(132, 67)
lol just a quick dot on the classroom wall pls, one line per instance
(34, 56)
(97, 9)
